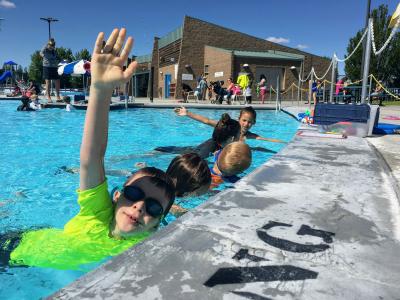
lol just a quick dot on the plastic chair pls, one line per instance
(191, 96)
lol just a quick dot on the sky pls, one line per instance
(318, 27)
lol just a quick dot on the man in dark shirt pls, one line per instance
(50, 66)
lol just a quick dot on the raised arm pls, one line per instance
(182, 111)
(107, 72)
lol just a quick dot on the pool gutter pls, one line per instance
(319, 220)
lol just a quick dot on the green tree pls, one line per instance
(83, 54)
(19, 72)
(35, 71)
(65, 54)
(385, 67)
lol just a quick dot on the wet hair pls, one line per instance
(189, 172)
(225, 129)
(235, 158)
(249, 110)
(160, 179)
(67, 99)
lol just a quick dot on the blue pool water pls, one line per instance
(34, 192)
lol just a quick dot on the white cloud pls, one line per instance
(7, 4)
(279, 40)
(302, 46)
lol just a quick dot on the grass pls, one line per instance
(391, 103)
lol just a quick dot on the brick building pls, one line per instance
(198, 47)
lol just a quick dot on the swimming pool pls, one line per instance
(35, 192)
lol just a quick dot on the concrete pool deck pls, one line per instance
(320, 220)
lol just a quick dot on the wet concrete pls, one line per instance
(320, 220)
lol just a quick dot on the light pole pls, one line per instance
(49, 20)
(364, 42)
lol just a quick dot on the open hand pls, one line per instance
(181, 111)
(107, 63)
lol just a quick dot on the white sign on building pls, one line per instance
(219, 74)
(187, 76)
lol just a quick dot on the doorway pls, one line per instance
(167, 83)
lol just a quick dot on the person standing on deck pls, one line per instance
(50, 66)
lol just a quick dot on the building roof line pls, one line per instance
(255, 37)
(265, 54)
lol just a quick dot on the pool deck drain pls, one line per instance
(320, 220)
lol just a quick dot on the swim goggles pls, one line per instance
(134, 194)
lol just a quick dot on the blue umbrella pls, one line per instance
(79, 67)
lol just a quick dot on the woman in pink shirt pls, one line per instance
(230, 88)
(339, 86)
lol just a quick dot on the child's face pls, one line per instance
(246, 121)
(135, 216)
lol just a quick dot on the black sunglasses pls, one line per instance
(134, 194)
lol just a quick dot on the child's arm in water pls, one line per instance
(182, 111)
(250, 135)
(106, 73)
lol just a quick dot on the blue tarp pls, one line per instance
(384, 128)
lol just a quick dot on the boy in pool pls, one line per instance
(102, 228)
(233, 159)
(193, 177)
(247, 118)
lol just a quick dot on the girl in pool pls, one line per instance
(226, 131)
(102, 228)
(247, 118)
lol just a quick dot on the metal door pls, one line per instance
(167, 82)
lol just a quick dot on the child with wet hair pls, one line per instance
(68, 105)
(247, 118)
(190, 173)
(233, 159)
(226, 131)
(102, 227)
(191, 176)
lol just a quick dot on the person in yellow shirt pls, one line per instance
(105, 225)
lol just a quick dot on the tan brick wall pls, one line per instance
(198, 34)
(165, 70)
(218, 60)
(169, 55)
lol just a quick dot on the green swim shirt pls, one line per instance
(84, 240)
